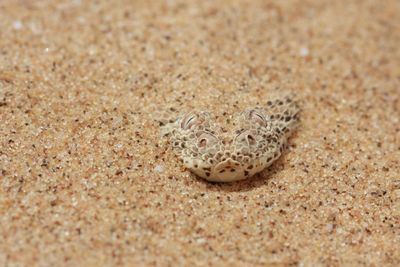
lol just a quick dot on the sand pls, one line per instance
(86, 179)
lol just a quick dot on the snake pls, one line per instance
(240, 147)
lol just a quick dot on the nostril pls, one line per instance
(207, 139)
(251, 139)
(246, 138)
(203, 143)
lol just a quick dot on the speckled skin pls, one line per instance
(256, 138)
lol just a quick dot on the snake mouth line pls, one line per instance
(229, 165)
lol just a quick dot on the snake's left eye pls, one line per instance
(257, 117)
(254, 116)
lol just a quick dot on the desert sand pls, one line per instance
(86, 179)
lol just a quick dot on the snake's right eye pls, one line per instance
(189, 121)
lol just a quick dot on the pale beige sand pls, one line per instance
(87, 181)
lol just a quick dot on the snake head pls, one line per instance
(248, 143)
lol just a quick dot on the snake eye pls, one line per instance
(257, 117)
(207, 139)
(189, 121)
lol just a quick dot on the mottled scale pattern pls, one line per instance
(238, 149)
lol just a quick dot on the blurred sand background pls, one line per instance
(87, 181)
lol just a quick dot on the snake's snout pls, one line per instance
(228, 170)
